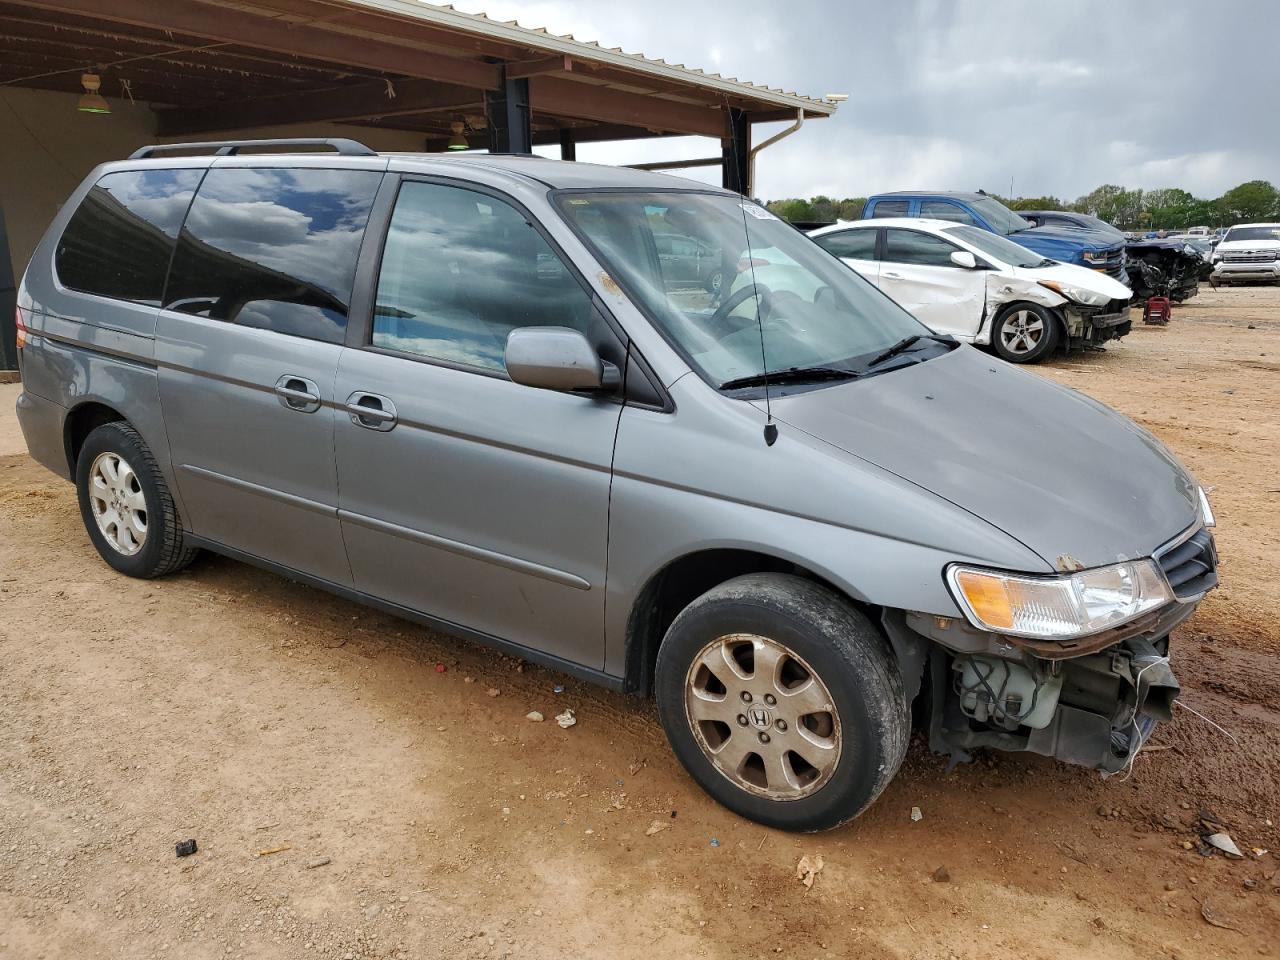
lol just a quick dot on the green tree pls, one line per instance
(1255, 200)
(1035, 203)
(791, 210)
(1114, 204)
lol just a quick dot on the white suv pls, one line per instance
(1249, 251)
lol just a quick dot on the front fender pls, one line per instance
(703, 479)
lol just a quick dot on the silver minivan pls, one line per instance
(476, 392)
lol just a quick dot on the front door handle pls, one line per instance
(371, 411)
(298, 393)
(891, 275)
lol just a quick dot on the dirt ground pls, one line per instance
(351, 800)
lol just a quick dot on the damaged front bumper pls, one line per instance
(1096, 325)
(1093, 703)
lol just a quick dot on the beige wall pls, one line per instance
(47, 147)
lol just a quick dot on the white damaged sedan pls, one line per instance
(982, 288)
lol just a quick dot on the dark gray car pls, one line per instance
(464, 390)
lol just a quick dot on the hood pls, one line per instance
(1064, 237)
(1077, 276)
(1052, 468)
(1242, 245)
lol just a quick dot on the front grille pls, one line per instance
(1191, 567)
(1256, 256)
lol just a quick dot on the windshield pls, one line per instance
(1001, 218)
(1268, 232)
(753, 296)
(1006, 251)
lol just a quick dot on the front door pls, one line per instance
(464, 495)
(247, 346)
(917, 272)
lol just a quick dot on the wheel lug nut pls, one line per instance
(764, 738)
(742, 720)
(782, 725)
(770, 699)
(746, 697)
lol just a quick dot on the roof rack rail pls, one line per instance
(227, 148)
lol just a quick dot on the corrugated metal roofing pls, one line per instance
(448, 17)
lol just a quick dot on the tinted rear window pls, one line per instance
(890, 208)
(274, 248)
(119, 241)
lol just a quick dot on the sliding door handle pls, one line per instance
(371, 411)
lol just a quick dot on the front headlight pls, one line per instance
(1078, 294)
(1206, 511)
(1058, 608)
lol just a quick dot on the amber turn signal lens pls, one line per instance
(988, 598)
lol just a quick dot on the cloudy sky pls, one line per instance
(1058, 97)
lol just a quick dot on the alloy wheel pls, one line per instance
(1022, 332)
(762, 716)
(119, 505)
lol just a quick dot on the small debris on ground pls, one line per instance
(808, 868)
(1211, 917)
(715, 842)
(916, 815)
(1068, 850)
(1224, 843)
(318, 862)
(185, 848)
(637, 765)
(942, 875)
(270, 850)
(557, 689)
(657, 826)
(493, 692)
(566, 719)
(441, 668)
(534, 716)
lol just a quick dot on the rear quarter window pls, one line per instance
(274, 248)
(849, 244)
(119, 241)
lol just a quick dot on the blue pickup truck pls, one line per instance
(1084, 247)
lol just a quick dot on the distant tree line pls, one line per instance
(1169, 208)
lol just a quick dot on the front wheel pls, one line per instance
(1025, 333)
(783, 701)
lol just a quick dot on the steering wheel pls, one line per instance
(736, 299)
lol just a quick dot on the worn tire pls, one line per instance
(846, 652)
(164, 549)
(1051, 328)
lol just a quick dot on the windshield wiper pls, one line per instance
(790, 375)
(897, 348)
(906, 343)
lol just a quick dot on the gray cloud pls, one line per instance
(1060, 98)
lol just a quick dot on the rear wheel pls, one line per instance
(126, 505)
(782, 701)
(1025, 333)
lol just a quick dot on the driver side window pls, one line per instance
(460, 271)
(918, 249)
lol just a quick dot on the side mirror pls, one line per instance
(963, 258)
(557, 358)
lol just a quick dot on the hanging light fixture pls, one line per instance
(92, 101)
(459, 140)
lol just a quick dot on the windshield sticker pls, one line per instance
(757, 211)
